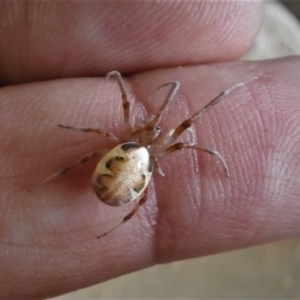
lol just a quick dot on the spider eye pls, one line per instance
(157, 129)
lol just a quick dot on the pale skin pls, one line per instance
(48, 245)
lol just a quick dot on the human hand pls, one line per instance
(48, 237)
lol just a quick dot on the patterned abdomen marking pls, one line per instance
(122, 174)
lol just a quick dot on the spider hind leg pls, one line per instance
(130, 215)
(66, 169)
(92, 130)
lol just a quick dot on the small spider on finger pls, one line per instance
(123, 174)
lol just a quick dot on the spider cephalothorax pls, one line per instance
(123, 174)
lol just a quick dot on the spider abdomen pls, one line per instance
(122, 174)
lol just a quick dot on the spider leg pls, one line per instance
(157, 166)
(130, 215)
(93, 130)
(174, 88)
(125, 102)
(150, 132)
(179, 146)
(67, 168)
(173, 134)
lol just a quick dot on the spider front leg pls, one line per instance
(130, 215)
(66, 169)
(93, 130)
(150, 132)
(174, 88)
(125, 102)
(180, 146)
(172, 135)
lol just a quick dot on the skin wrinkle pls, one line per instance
(292, 127)
(79, 114)
(253, 120)
(274, 160)
(275, 167)
(194, 186)
(229, 37)
(84, 118)
(236, 115)
(276, 181)
(232, 29)
(237, 206)
(250, 185)
(242, 164)
(200, 183)
(272, 115)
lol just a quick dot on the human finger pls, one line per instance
(76, 38)
(194, 210)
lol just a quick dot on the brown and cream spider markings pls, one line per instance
(123, 174)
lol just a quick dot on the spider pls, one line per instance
(123, 174)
